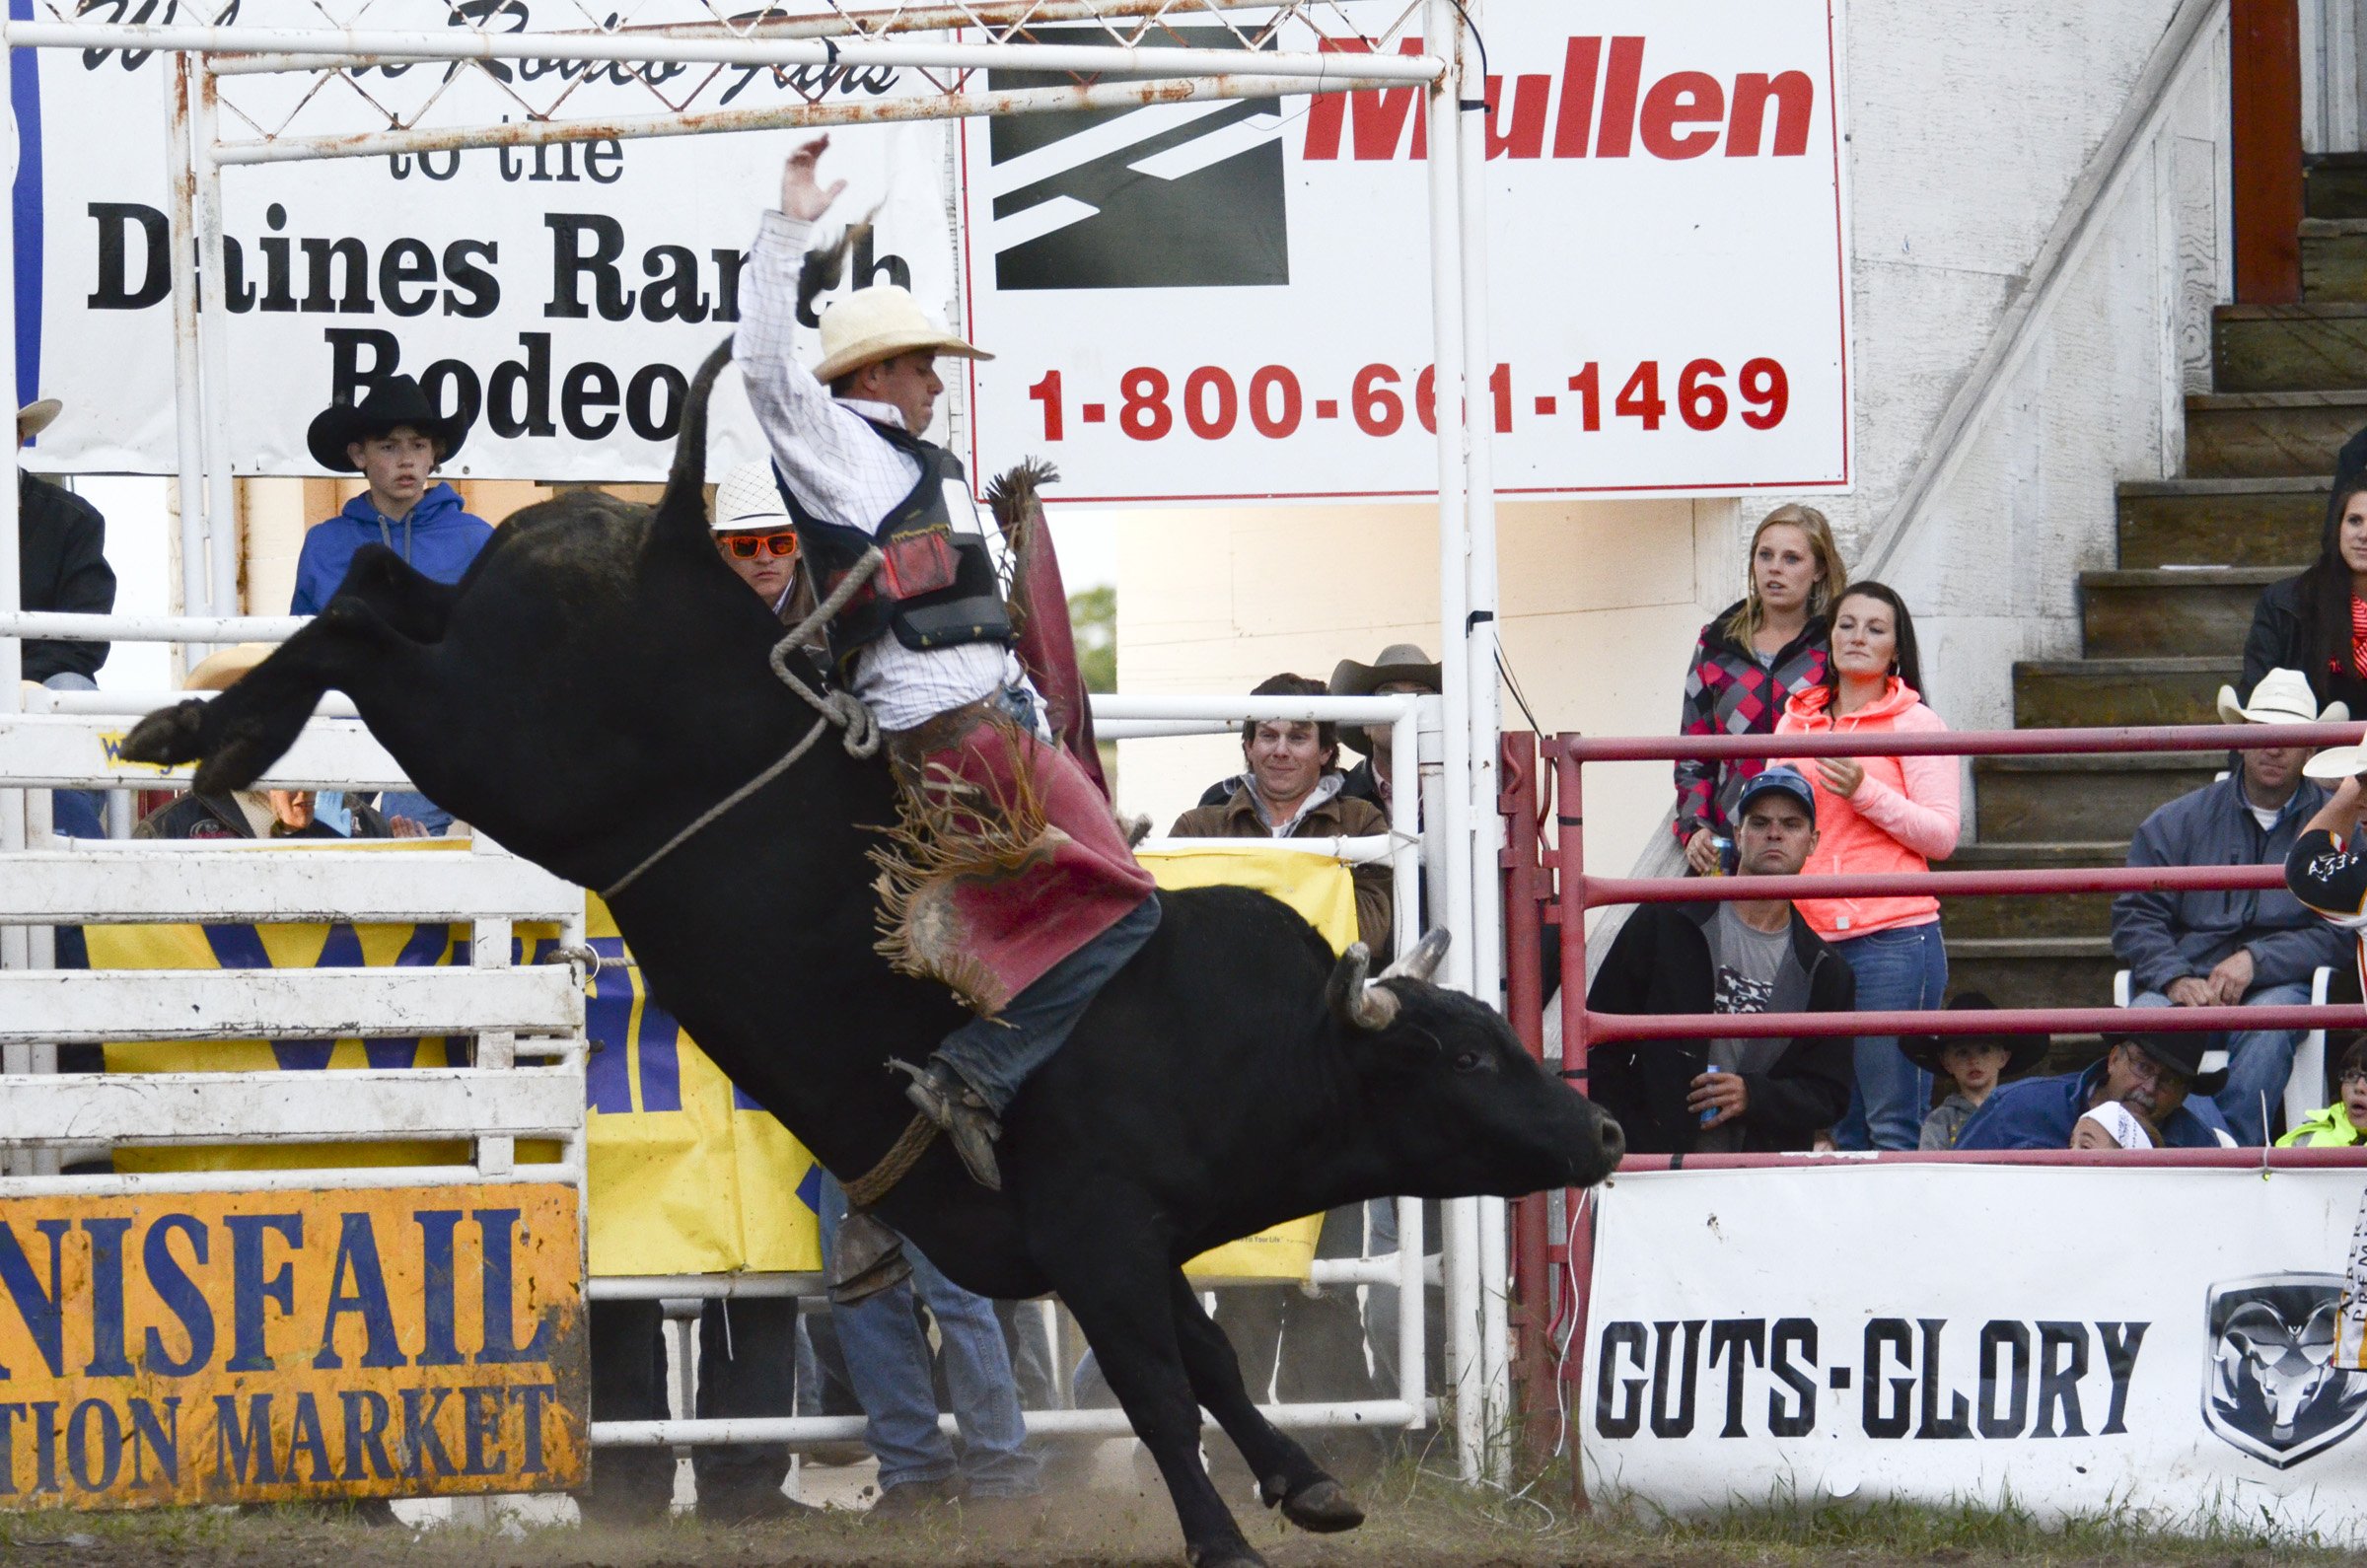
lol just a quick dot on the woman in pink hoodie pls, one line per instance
(1877, 814)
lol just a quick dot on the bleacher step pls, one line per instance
(2022, 802)
(2169, 610)
(2333, 258)
(2289, 347)
(2269, 434)
(2334, 186)
(2027, 915)
(2068, 693)
(2238, 522)
(2034, 972)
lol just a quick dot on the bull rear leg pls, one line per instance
(244, 731)
(1122, 1306)
(1286, 1474)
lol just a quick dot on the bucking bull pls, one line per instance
(598, 680)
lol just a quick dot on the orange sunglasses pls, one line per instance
(748, 547)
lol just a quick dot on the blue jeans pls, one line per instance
(888, 1361)
(994, 1055)
(1905, 968)
(76, 813)
(2259, 1061)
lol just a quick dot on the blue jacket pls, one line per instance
(2038, 1113)
(2164, 936)
(437, 537)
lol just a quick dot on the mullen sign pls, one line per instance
(1600, 108)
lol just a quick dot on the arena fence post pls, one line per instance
(1526, 892)
(1569, 835)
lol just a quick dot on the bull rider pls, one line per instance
(1026, 897)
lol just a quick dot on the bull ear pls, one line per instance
(1352, 998)
(1423, 961)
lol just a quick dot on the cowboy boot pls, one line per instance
(961, 1114)
(868, 1259)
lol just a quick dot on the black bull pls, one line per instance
(599, 679)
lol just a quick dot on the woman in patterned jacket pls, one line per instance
(1750, 661)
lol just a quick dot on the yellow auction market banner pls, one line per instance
(687, 1175)
(280, 1346)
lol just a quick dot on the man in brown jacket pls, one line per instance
(1291, 789)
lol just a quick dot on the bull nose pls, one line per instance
(1614, 1141)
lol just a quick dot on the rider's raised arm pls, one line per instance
(819, 446)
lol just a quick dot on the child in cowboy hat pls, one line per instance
(1973, 1064)
(394, 439)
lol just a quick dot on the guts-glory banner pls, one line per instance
(2166, 1340)
(1232, 300)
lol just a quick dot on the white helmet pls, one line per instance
(748, 501)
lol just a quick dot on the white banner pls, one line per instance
(562, 294)
(1232, 300)
(2074, 1339)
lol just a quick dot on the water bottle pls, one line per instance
(1711, 1114)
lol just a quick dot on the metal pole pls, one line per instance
(458, 43)
(1480, 638)
(1569, 813)
(213, 347)
(14, 940)
(1453, 900)
(1405, 867)
(180, 174)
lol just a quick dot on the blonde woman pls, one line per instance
(1761, 649)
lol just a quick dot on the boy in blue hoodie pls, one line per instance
(394, 439)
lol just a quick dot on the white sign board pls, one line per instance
(1232, 300)
(561, 296)
(2076, 1339)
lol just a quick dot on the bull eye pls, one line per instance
(1470, 1062)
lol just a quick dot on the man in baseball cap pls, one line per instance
(2166, 1078)
(1744, 955)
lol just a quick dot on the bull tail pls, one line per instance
(683, 511)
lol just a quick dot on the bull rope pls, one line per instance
(842, 708)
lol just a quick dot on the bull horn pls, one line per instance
(1354, 1001)
(1423, 961)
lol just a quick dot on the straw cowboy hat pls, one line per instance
(221, 670)
(395, 400)
(1398, 662)
(2283, 696)
(35, 417)
(748, 501)
(880, 322)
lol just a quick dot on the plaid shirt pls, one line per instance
(842, 471)
(1728, 692)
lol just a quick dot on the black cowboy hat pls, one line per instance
(2191, 1056)
(2025, 1051)
(395, 400)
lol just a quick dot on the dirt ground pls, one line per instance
(1416, 1520)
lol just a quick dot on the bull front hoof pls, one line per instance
(166, 737)
(1323, 1507)
(1235, 1555)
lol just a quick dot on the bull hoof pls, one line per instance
(1323, 1507)
(168, 737)
(1234, 1556)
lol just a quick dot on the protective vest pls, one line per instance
(936, 586)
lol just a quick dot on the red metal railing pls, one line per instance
(1547, 887)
